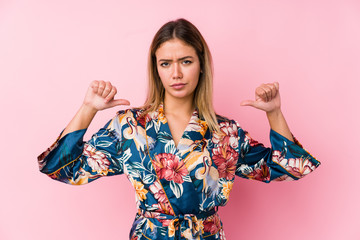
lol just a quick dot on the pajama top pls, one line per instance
(178, 188)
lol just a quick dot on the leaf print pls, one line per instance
(164, 137)
(211, 204)
(149, 178)
(124, 145)
(137, 166)
(170, 147)
(187, 178)
(244, 169)
(127, 154)
(163, 231)
(103, 144)
(177, 189)
(150, 167)
(157, 126)
(149, 125)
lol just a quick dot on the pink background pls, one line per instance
(50, 52)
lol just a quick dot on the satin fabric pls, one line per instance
(174, 185)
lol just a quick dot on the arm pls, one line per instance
(73, 161)
(286, 159)
(278, 124)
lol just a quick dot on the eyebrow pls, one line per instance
(179, 59)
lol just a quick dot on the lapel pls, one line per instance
(158, 129)
(182, 195)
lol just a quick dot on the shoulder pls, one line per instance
(125, 117)
(134, 112)
(228, 136)
(222, 121)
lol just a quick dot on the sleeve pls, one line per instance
(285, 160)
(73, 161)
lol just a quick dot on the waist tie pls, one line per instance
(189, 225)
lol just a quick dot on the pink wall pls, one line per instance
(49, 53)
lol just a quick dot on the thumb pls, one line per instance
(250, 103)
(117, 102)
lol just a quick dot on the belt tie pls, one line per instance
(188, 225)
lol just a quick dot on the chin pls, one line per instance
(181, 96)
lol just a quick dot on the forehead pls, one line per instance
(175, 48)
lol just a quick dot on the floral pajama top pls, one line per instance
(178, 189)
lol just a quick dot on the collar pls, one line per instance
(157, 124)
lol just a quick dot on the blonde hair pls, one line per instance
(188, 33)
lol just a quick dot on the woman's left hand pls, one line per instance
(267, 98)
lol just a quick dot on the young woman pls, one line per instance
(178, 154)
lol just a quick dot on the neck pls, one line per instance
(183, 106)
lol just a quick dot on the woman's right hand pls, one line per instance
(100, 96)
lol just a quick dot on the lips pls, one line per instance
(178, 85)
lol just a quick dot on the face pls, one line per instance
(179, 69)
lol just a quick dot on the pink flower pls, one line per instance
(299, 167)
(170, 167)
(97, 160)
(251, 141)
(165, 222)
(230, 136)
(283, 178)
(163, 206)
(260, 174)
(212, 224)
(158, 192)
(276, 156)
(42, 156)
(225, 159)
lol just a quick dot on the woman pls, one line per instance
(178, 154)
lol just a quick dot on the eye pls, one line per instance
(187, 62)
(164, 64)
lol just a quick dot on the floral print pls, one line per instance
(226, 189)
(178, 189)
(212, 224)
(229, 135)
(96, 160)
(297, 167)
(261, 173)
(225, 159)
(139, 189)
(163, 205)
(168, 166)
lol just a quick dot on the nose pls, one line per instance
(177, 73)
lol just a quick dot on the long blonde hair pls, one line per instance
(188, 33)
